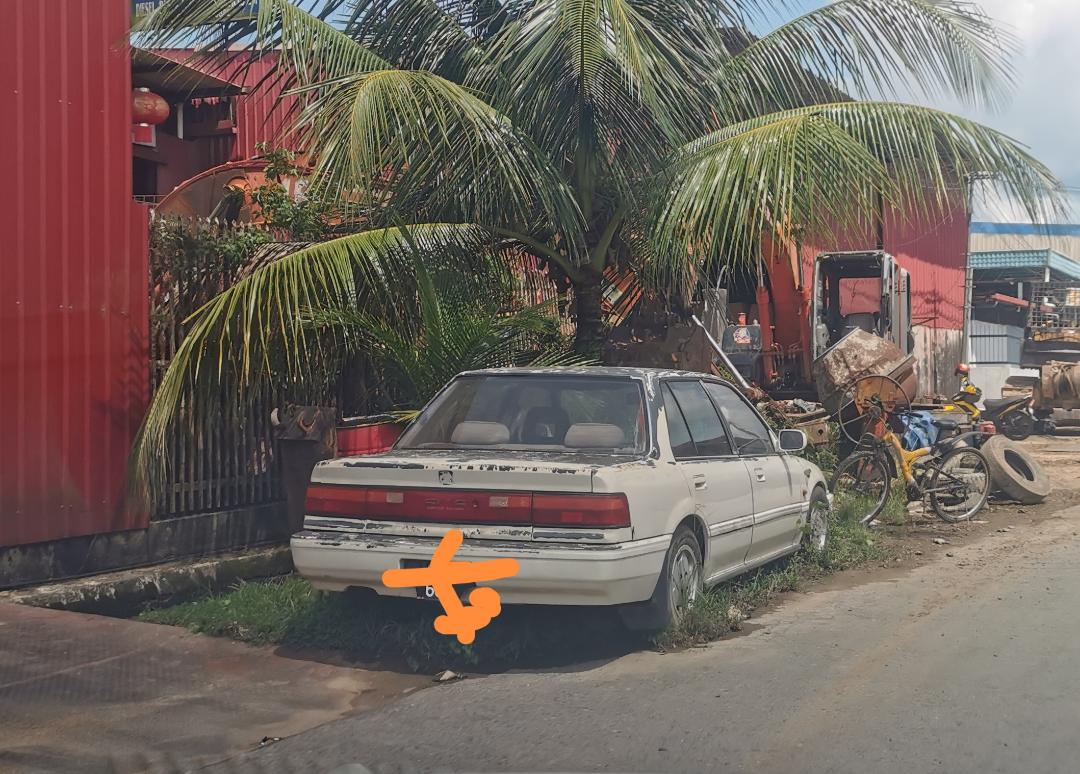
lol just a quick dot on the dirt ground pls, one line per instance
(912, 544)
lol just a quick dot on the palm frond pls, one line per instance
(822, 169)
(253, 334)
(409, 141)
(447, 321)
(870, 48)
(628, 76)
(442, 36)
(307, 49)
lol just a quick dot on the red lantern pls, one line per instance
(148, 108)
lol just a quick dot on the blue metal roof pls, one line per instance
(1025, 259)
(1026, 229)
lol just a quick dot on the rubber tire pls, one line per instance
(1016, 474)
(986, 495)
(1017, 426)
(656, 613)
(819, 498)
(881, 466)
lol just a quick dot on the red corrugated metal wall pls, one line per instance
(932, 247)
(73, 299)
(260, 116)
(934, 251)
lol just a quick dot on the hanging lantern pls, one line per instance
(148, 108)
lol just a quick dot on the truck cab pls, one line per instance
(859, 291)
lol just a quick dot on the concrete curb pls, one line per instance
(127, 592)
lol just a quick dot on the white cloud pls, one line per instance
(1045, 111)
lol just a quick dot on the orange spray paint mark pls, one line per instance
(442, 575)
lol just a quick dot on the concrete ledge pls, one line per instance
(127, 592)
(198, 535)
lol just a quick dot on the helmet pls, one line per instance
(962, 369)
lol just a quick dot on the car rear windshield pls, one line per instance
(534, 413)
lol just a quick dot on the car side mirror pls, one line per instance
(792, 440)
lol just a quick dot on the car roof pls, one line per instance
(649, 375)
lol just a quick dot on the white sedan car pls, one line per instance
(610, 486)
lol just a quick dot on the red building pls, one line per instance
(74, 302)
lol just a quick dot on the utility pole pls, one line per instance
(969, 274)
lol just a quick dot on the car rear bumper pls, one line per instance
(549, 574)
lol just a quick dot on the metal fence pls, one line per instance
(1055, 309)
(225, 458)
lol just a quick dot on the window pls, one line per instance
(678, 434)
(706, 430)
(533, 412)
(749, 432)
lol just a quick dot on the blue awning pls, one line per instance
(997, 260)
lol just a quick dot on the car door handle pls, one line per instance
(700, 482)
(759, 473)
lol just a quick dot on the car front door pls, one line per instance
(780, 496)
(717, 478)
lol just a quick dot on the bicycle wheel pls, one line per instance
(867, 400)
(860, 485)
(960, 484)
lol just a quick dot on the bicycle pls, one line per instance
(952, 475)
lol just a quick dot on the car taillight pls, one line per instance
(461, 506)
(607, 510)
(325, 500)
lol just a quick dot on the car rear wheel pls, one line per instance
(677, 588)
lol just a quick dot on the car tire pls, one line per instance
(816, 530)
(1015, 473)
(677, 588)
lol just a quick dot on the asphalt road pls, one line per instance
(969, 663)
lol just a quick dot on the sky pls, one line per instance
(1044, 113)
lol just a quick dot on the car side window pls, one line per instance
(749, 432)
(706, 429)
(681, 444)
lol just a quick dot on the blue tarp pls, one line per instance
(919, 430)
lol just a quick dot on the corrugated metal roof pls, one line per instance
(1025, 259)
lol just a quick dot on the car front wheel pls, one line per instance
(816, 529)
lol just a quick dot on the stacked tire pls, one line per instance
(1016, 474)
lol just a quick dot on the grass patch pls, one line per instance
(290, 612)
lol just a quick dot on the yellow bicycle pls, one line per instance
(952, 475)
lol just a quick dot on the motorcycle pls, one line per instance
(1012, 417)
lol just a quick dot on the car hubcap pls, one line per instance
(818, 528)
(685, 580)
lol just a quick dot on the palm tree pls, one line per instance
(662, 136)
(650, 134)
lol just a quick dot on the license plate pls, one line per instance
(427, 593)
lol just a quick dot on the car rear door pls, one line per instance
(718, 480)
(780, 497)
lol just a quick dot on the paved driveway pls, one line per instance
(81, 692)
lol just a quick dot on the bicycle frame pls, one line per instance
(881, 431)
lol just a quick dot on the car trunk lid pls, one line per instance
(496, 496)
